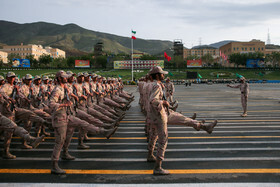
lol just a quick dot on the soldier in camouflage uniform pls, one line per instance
(7, 125)
(244, 89)
(64, 122)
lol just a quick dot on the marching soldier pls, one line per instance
(65, 121)
(244, 89)
(158, 121)
(169, 90)
(10, 128)
(10, 112)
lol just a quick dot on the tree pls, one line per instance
(238, 58)
(59, 63)
(11, 56)
(101, 61)
(71, 62)
(241, 58)
(207, 58)
(148, 57)
(33, 62)
(275, 58)
(179, 62)
(45, 60)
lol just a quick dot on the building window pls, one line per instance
(262, 48)
(250, 48)
(254, 49)
(245, 48)
(234, 48)
(258, 49)
(242, 49)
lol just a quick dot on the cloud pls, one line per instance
(223, 13)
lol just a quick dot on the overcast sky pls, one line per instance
(208, 21)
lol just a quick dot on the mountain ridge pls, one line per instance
(73, 37)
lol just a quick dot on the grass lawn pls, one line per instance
(175, 74)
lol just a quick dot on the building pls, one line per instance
(201, 52)
(243, 47)
(32, 49)
(55, 52)
(4, 57)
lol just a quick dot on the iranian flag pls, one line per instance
(133, 35)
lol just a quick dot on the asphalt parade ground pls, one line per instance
(239, 151)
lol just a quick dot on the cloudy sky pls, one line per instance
(208, 21)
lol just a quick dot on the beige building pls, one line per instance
(4, 56)
(270, 51)
(243, 47)
(201, 52)
(31, 49)
(55, 52)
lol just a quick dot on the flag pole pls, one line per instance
(131, 59)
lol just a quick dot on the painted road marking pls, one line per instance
(165, 160)
(170, 127)
(202, 132)
(169, 143)
(167, 150)
(230, 120)
(144, 172)
(144, 138)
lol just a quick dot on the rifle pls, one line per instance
(75, 93)
(69, 110)
(40, 95)
(164, 98)
(30, 92)
(49, 90)
(97, 96)
(85, 94)
(14, 94)
(90, 90)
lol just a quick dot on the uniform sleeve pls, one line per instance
(172, 88)
(2, 92)
(235, 86)
(54, 104)
(79, 93)
(21, 93)
(155, 99)
(246, 88)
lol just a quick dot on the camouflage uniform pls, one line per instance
(244, 89)
(7, 124)
(169, 88)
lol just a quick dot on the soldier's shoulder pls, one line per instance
(57, 88)
(155, 85)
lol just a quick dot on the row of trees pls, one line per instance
(241, 58)
(46, 61)
(106, 60)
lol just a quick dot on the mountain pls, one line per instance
(73, 38)
(216, 45)
(221, 43)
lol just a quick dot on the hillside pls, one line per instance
(71, 37)
(216, 45)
